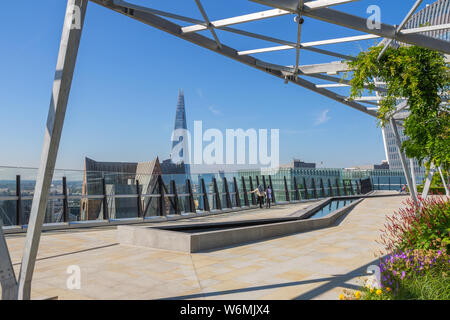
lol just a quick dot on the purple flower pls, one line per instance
(403, 275)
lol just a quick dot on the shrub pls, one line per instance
(422, 225)
(412, 263)
(417, 238)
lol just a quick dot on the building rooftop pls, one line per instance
(311, 265)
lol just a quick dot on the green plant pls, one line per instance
(404, 265)
(421, 76)
(429, 286)
(432, 190)
(423, 225)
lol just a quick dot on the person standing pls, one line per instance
(268, 196)
(260, 194)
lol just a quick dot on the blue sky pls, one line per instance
(124, 91)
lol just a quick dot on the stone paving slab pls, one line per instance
(310, 265)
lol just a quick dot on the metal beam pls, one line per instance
(341, 81)
(291, 45)
(400, 27)
(317, 4)
(310, 44)
(202, 41)
(426, 29)
(123, 4)
(68, 50)
(299, 33)
(407, 173)
(428, 180)
(334, 67)
(374, 98)
(238, 19)
(330, 67)
(306, 45)
(294, 5)
(413, 175)
(332, 85)
(8, 280)
(358, 23)
(208, 23)
(444, 182)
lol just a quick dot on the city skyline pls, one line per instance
(129, 106)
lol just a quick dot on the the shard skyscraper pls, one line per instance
(180, 119)
(178, 163)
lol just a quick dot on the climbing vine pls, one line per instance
(421, 76)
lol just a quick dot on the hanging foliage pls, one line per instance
(421, 76)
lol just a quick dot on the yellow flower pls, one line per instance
(378, 292)
(341, 297)
(371, 290)
(357, 295)
(388, 289)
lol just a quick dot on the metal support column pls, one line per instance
(403, 161)
(286, 190)
(264, 182)
(65, 202)
(306, 188)
(236, 190)
(227, 193)
(274, 201)
(345, 188)
(173, 186)
(297, 193)
(444, 182)
(8, 280)
(330, 187)
(314, 188)
(205, 196)
(105, 201)
(217, 194)
(413, 174)
(68, 50)
(251, 189)
(191, 197)
(139, 202)
(428, 180)
(162, 210)
(322, 187)
(19, 221)
(244, 190)
(338, 188)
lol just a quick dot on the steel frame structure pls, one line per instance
(315, 9)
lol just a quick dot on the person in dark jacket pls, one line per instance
(268, 196)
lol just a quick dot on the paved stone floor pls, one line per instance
(311, 265)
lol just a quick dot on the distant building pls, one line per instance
(120, 178)
(298, 164)
(168, 167)
(383, 166)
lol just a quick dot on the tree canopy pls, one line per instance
(421, 76)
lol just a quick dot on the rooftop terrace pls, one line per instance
(311, 265)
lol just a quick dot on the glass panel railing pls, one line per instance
(87, 190)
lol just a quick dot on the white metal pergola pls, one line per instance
(188, 29)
